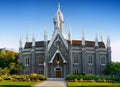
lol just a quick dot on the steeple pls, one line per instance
(96, 41)
(27, 40)
(83, 37)
(70, 34)
(108, 41)
(21, 42)
(59, 21)
(33, 40)
(45, 34)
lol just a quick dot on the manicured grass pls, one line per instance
(92, 84)
(7, 83)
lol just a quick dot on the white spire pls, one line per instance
(45, 34)
(108, 41)
(27, 40)
(101, 37)
(21, 42)
(58, 5)
(70, 34)
(96, 40)
(33, 40)
(83, 37)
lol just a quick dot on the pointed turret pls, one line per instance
(45, 34)
(27, 40)
(101, 37)
(108, 42)
(96, 41)
(21, 42)
(70, 35)
(33, 40)
(83, 38)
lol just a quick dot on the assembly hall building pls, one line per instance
(62, 55)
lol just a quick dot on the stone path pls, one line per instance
(52, 82)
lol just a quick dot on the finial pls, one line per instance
(70, 33)
(27, 37)
(108, 41)
(20, 42)
(33, 40)
(96, 40)
(83, 37)
(58, 5)
(45, 34)
(101, 37)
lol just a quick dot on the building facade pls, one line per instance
(61, 56)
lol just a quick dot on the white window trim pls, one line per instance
(74, 61)
(91, 57)
(103, 56)
(26, 59)
(39, 59)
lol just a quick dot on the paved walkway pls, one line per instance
(52, 82)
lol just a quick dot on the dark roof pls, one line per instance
(74, 43)
(37, 44)
(87, 43)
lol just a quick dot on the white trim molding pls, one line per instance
(51, 61)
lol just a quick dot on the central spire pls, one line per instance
(59, 21)
(59, 5)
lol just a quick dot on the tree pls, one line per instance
(113, 68)
(10, 59)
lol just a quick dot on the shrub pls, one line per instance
(1, 78)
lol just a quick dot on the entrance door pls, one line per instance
(58, 72)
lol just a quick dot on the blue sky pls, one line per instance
(31, 16)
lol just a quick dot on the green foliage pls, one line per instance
(92, 78)
(4, 71)
(113, 68)
(1, 79)
(9, 61)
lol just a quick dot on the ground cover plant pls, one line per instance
(78, 80)
(21, 80)
(9, 83)
(92, 84)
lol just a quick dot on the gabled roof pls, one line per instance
(51, 61)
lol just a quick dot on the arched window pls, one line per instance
(103, 58)
(90, 59)
(27, 60)
(90, 70)
(76, 59)
(40, 60)
(76, 71)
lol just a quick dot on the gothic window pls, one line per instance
(103, 58)
(76, 71)
(40, 60)
(76, 59)
(90, 59)
(90, 70)
(27, 60)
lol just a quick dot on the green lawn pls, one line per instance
(8, 83)
(92, 84)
